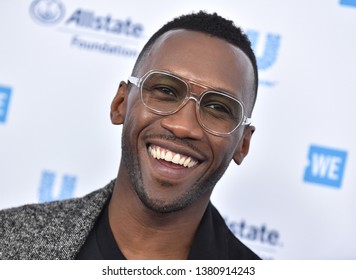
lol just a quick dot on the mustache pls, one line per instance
(184, 142)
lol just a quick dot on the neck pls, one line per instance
(144, 234)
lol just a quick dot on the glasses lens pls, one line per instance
(219, 112)
(162, 92)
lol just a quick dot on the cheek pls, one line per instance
(224, 149)
(137, 117)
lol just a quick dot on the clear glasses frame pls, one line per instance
(190, 95)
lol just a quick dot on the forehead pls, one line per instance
(204, 59)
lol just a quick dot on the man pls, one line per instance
(185, 114)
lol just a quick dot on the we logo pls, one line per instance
(5, 93)
(326, 166)
(350, 3)
(268, 55)
(49, 191)
(266, 48)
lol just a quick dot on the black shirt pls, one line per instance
(101, 244)
(213, 240)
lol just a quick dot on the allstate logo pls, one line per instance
(47, 11)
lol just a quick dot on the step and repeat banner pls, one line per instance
(294, 196)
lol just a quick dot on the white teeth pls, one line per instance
(186, 162)
(181, 160)
(176, 159)
(159, 153)
(168, 156)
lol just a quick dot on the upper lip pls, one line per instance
(178, 146)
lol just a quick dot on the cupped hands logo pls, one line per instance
(47, 11)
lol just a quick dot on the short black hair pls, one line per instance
(211, 24)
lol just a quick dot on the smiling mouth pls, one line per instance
(169, 156)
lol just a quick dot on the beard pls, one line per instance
(132, 164)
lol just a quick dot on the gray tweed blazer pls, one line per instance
(54, 230)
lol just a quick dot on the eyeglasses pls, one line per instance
(164, 93)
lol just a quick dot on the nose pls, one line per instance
(184, 123)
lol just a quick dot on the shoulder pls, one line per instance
(33, 231)
(236, 249)
(36, 214)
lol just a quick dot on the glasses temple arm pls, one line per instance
(246, 121)
(134, 80)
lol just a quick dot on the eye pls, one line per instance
(165, 90)
(164, 93)
(218, 108)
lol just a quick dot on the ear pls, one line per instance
(118, 105)
(244, 145)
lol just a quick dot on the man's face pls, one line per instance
(164, 186)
